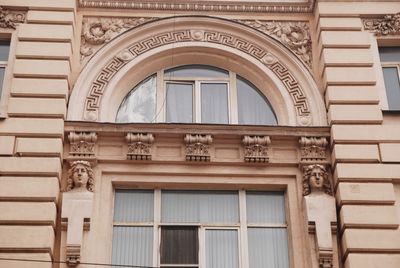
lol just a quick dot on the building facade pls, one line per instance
(209, 134)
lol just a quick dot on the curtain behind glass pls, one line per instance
(200, 206)
(179, 103)
(268, 248)
(222, 249)
(132, 246)
(2, 71)
(392, 85)
(265, 207)
(140, 104)
(214, 103)
(253, 108)
(133, 206)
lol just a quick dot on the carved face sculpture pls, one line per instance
(80, 176)
(317, 178)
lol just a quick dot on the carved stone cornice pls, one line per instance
(389, 25)
(313, 149)
(96, 31)
(11, 18)
(293, 6)
(82, 144)
(198, 147)
(139, 146)
(256, 148)
(294, 35)
(73, 255)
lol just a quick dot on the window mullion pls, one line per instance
(244, 254)
(197, 102)
(156, 228)
(233, 102)
(161, 98)
(202, 247)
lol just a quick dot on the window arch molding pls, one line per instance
(128, 59)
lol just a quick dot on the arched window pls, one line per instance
(196, 94)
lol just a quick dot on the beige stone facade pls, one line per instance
(71, 64)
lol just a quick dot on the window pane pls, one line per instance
(200, 206)
(179, 103)
(389, 54)
(268, 247)
(2, 70)
(222, 249)
(132, 246)
(214, 103)
(4, 50)
(196, 71)
(179, 245)
(265, 207)
(392, 85)
(253, 108)
(133, 206)
(140, 104)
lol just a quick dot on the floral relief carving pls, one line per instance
(98, 31)
(10, 19)
(198, 147)
(389, 25)
(100, 83)
(294, 35)
(82, 144)
(313, 148)
(139, 146)
(256, 148)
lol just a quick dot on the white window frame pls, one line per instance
(242, 226)
(8, 66)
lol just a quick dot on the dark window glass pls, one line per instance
(2, 71)
(179, 103)
(4, 50)
(389, 54)
(179, 245)
(392, 84)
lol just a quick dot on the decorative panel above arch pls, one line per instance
(285, 78)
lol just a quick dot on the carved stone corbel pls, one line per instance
(198, 147)
(256, 148)
(10, 19)
(82, 144)
(76, 208)
(313, 149)
(320, 210)
(139, 146)
(389, 25)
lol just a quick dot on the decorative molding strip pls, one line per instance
(389, 25)
(96, 31)
(198, 147)
(256, 148)
(313, 149)
(210, 6)
(139, 146)
(82, 144)
(73, 255)
(96, 91)
(294, 35)
(10, 19)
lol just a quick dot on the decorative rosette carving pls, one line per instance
(256, 148)
(139, 146)
(198, 147)
(389, 25)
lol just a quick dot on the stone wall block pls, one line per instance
(50, 17)
(367, 240)
(42, 4)
(42, 68)
(372, 260)
(7, 145)
(341, 57)
(365, 133)
(355, 153)
(29, 238)
(365, 193)
(26, 256)
(351, 95)
(35, 107)
(349, 76)
(355, 114)
(390, 152)
(39, 147)
(27, 87)
(341, 39)
(28, 213)
(342, 24)
(368, 216)
(43, 50)
(49, 166)
(45, 32)
(367, 172)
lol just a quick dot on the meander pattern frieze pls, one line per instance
(210, 6)
(388, 25)
(93, 99)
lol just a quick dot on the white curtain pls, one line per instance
(214, 103)
(200, 206)
(132, 246)
(222, 249)
(179, 103)
(392, 85)
(133, 206)
(265, 207)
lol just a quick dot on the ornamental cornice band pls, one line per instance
(256, 149)
(82, 144)
(198, 147)
(389, 25)
(210, 6)
(139, 146)
(10, 19)
(93, 99)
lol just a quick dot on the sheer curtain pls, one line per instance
(179, 103)
(222, 249)
(214, 103)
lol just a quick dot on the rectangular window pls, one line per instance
(179, 102)
(4, 51)
(390, 60)
(202, 229)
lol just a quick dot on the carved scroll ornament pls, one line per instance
(313, 149)
(256, 148)
(198, 147)
(10, 19)
(294, 35)
(389, 25)
(82, 144)
(139, 146)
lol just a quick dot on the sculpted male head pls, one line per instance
(315, 179)
(80, 176)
